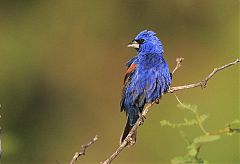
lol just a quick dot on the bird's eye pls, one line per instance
(140, 41)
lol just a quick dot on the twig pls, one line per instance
(199, 122)
(185, 137)
(179, 61)
(178, 99)
(226, 130)
(83, 151)
(202, 83)
(129, 136)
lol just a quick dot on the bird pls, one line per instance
(147, 78)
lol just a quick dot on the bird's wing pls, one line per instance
(128, 64)
(130, 70)
(127, 79)
(131, 64)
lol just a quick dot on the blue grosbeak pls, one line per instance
(146, 80)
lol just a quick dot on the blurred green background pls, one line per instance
(62, 68)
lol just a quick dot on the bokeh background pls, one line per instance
(62, 68)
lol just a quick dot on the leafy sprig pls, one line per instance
(194, 145)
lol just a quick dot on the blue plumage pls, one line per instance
(147, 77)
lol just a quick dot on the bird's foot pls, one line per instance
(142, 118)
(131, 142)
(157, 101)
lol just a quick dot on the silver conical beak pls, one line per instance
(134, 44)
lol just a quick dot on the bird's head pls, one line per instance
(147, 42)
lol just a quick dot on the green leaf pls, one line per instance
(206, 138)
(234, 122)
(192, 152)
(163, 122)
(179, 125)
(167, 123)
(190, 107)
(203, 117)
(190, 122)
(181, 160)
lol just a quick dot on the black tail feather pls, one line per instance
(125, 133)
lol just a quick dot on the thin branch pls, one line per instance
(83, 151)
(202, 83)
(179, 61)
(129, 136)
(139, 121)
(199, 122)
(227, 130)
(185, 137)
(180, 102)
